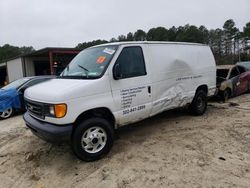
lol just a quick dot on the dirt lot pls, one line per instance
(172, 149)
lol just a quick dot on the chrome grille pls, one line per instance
(35, 108)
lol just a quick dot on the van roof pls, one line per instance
(150, 42)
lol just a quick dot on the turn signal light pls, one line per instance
(60, 110)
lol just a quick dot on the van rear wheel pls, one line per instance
(92, 139)
(199, 103)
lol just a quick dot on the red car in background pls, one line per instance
(232, 80)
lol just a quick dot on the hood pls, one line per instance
(62, 90)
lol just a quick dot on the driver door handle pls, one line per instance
(149, 89)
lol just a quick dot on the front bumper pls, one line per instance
(47, 131)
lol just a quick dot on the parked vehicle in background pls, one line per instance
(111, 85)
(11, 95)
(232, 80)
(245, 64)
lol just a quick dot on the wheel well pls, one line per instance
(97, 112)
(202, 87)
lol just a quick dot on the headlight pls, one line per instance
(58, 110)
(52, 110)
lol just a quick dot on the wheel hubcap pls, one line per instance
(94, 139)
(7, 113)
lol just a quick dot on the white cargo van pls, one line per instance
(111, 85)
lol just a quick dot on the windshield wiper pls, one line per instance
(86, 70)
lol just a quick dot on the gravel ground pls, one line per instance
(172, 149)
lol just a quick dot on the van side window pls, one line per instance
(131, 62)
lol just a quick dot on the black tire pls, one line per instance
(199, 104)
(79, 133)
(226, 95)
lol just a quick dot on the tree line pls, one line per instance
(7, 51)
(229, 44)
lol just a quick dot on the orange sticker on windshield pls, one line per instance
(101, 59)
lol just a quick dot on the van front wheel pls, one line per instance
(199, 103)
(92, 139)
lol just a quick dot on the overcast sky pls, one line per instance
(65, 23)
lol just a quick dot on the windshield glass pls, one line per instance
(16, 84)
(90, 63)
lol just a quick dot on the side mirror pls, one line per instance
(117, 72)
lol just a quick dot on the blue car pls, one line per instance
(11, 95)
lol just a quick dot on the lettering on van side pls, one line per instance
(160, 102)
(127, 96)
(188, 77)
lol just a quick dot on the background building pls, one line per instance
(47, 61)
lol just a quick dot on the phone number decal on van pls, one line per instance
(134, 109)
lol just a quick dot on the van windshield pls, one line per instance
(90, 63)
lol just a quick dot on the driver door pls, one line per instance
(131, 90)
